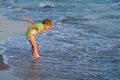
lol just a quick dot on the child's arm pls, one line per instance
(28, 19)
(32, 27)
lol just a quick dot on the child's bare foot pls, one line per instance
(37, 57)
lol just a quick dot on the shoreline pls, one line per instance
(8, 29)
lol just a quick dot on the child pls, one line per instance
(32, 32)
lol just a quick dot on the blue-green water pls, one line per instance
(83, 44)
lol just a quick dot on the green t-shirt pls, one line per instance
(38, 29)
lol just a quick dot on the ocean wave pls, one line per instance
(47, 4)
(25, 9)
(72, 20)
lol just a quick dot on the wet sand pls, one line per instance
(8, 28)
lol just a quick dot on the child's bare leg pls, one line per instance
(34, 48)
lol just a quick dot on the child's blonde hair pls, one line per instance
(47, 22)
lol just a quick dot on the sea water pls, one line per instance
(83, 44)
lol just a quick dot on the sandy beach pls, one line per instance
(8, 28)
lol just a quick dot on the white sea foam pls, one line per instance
(47, 4)
(5, 59)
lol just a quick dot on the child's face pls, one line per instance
(46, 27)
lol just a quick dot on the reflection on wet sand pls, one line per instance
(32, 71)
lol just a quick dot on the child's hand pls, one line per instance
(25, 18)
(28, 19)
(34, 27)
(47, 27)
(27, 27)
